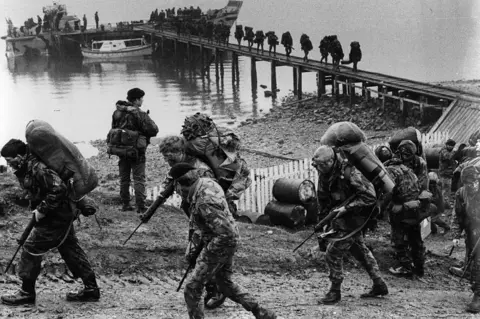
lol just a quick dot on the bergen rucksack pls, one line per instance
(62, 156)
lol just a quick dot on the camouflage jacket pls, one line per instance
(169, 185)
(345, 181)
(210, 214)
(130, 117)
(467, 214)
(419, 167)
(46, 190)
(446, 163)
(406, 182)
(241, 181)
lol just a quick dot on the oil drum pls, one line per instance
(285, 214)
(294, 191)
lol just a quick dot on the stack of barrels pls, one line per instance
(294, 204)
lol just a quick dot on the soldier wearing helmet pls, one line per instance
(339, 180)
(406, 152)
(467, 218)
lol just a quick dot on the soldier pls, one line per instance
(259, 39)
(467, 217)
(219, 236)
(339, 180)
(272, 42)
(287, 42)
(406, 233)
(355, 55)
(436, 191)
(306, 45)
(53, 229)
(446, 167)
(173, 150)
(96, 20)
(128, 116)
(406, 152)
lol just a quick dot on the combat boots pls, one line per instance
(333, 295)
(21, 297)
(85, 294)
(379, 288)
(474, 306)
(262, 313)
(127, 207)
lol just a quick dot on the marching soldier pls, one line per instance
(219, 237)
(338, 181)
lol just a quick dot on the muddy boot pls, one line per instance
(85, 294)
(127, 207)
(334, 295)
(262, 313)
(474, 306)
(213, 298)
(458, 271)
(379, 288)
(21, 297)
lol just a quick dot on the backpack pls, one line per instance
(62, 156)
(125, 143)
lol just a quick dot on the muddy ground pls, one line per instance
(139, 279)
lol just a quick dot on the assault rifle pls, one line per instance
(22, 239)
(326, 220)
(148, 214)
(470, 258)
(198, 250)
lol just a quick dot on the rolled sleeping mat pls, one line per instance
(409, 133)
(343, 133)
(294, 191)
(363, 158)
(284, 214)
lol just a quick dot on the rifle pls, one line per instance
(22, 239)
(470, 258)
(149, 212)
(190, 266)
(333, 214)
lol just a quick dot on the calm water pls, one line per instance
(432, 40)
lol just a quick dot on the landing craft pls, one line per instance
(227, 15)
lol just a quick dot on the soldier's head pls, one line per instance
(407, 150)
(324, 159)
(450, 144)
(384, 153)
(173, 149)
(14, 152)
(471, 178)
(135, 96)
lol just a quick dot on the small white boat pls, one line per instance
(117, 49)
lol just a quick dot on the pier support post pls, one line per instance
(351, 91)
(189, 52)
(253, 69)
(273, 66)
(221, 64)
(320, 84)
(294, 81)
(217, 58)
(336, 87)
(175, 46)
(162, 46)
(299, 82)
(234, 62)
(364, 90)
(344, 87)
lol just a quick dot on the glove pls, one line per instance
(192, 255)
(319, 227)
(145, 217)
(38, 215)
(456, 242)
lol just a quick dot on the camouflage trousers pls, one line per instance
(408, 244)
(446, 184)
(474, 267)
(40, 240)
(356, 246)
(137, 169)
(215, 264)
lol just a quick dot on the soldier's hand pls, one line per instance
(38, 215)
(456, 242)
(319, 227)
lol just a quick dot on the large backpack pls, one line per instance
(62, 156)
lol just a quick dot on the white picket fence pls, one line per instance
(259, 194)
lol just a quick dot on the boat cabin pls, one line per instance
(116, 45)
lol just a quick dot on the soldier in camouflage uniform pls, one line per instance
(214, 258)
(129, 116)
(338, 180)
(173, 150)
(54, 223)
(406, 152)
(446, 166)
(436, 190)
(467, 217)
(406, 237)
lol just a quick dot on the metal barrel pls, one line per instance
(294, 191)
(284, 214)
